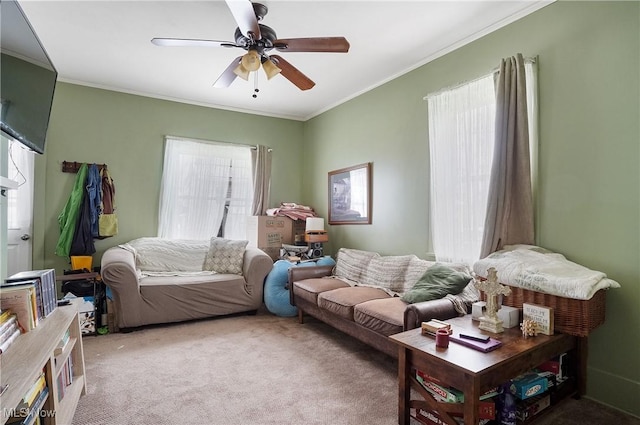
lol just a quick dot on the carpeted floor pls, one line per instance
(258, 369)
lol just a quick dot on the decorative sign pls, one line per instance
(540, 314)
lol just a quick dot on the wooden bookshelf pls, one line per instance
(33, 352)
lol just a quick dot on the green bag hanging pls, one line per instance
(107, 225)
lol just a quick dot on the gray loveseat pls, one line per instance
(156, 280)
(362, 295)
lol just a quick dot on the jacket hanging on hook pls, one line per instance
(68, 218)
(108, 220)
(82, 242)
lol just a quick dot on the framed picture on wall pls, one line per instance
(350, 195)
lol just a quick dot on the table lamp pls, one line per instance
(315, 236)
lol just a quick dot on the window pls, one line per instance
(461, 134)
(20, 202)
(207, 190)
(461, 140)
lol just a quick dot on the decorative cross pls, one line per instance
(492, 289)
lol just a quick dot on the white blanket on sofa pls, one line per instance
(169, 257)
(538, 269)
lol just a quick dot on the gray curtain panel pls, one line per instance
(509, 217)
(261, 159)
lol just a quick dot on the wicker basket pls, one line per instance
(571, 316)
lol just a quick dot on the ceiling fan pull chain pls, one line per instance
(255, 85)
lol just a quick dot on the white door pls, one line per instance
(20, 209)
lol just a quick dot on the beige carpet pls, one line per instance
(258, 369)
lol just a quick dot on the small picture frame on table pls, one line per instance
(542, 315)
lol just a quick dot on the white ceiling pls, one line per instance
(106, 44)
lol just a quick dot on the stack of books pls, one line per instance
(21, 299)
(30, 295)
(28, 411)
(45, 281)
(9, 329)
(65, 379)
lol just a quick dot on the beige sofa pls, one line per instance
(160, 281)
(362, 295)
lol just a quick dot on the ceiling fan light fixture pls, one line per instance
(251, 61)
(241, 72)
(256, 39)
(270, 69)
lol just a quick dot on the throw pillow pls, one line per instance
(438, 281)
(416, 268)
(225, 255)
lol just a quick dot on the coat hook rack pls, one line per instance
(73, 166)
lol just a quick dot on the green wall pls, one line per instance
(126, 132)
(589, 160)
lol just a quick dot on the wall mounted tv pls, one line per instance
(28, 79)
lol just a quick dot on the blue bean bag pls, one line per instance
(276, 296)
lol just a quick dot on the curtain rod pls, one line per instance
(253, 147)
(455, 86)
(526, 60)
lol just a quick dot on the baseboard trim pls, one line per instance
(614, 391)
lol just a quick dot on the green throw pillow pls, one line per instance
(438, 281)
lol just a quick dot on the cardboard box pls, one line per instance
(478, 309)
(431, 417)
(526, 409)
(486, 407)
(299, 227)
(440, 392)
(510, 316)
(557, 365)
(269, 233)
(86, 313)
(528, 385)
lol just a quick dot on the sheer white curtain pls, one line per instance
(461, 134)
(531, 72)
(241, 199)
(461, 144)
(199, 180)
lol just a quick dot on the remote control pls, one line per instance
(480, 338)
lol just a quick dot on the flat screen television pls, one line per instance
(28, 79)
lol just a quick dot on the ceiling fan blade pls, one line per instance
(292, 74)
(245, 16)
(314, 44)
(185, 42)
(226, 78)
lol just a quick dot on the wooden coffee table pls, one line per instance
(470, 371)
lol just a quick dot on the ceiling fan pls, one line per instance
(258, 39)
